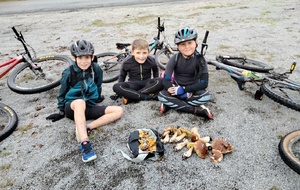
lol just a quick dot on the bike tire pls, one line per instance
(23, 80)
(284, 94)
(110, 63)
(245, 63)
(162, 57)
(285, 148)
(9, 121)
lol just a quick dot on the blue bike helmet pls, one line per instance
(185, 34)
(82, 47)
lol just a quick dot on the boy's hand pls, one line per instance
(56, 116)
(100, 99)
(186, 95)
(115, 97)
(178, 90)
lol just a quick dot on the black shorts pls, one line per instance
(93, 112)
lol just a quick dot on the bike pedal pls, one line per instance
(258, 95)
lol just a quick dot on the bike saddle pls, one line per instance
(241, 80)
(122, 45)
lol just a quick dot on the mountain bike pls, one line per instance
(289, 150)
(33, 75)
(8, 121)
(276, 86)
(111, 62)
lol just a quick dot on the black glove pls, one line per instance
(115, 97)
(56, 116)
(100, 99)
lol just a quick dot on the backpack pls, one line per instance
(75, 79)
(144, 144)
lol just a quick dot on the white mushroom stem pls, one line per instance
(188, 153)
(205, 139)
(165, 133)
(172, 139)
(166, 139)
(180, 137)
(179, 146)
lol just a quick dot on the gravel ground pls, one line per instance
(43, 155)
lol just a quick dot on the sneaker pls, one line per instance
(163, 108)
(204, 111)
(87, 152)
(126, 101)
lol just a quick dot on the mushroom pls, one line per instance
(206, 139)
(221, 145)
(176, 133)
(179, 146)
(195, 135)
(166, 139)
(188, 153)
(216, 156)
(201, 149)
(184, 133)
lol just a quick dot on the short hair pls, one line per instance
(140, 44)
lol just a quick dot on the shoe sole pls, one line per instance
(90, 159)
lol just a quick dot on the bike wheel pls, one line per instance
(283, 93)
(8, 121)
(110, 63)
(24, 80)
(245, 63)
(289, 150)
(162, 57)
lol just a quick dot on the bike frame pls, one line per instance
(23, 57)
(11, 64)
(240, 76)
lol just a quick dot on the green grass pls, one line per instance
(26, 128)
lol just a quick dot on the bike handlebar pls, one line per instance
(204, 44)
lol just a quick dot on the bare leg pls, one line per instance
(112, 113)
(79, 106)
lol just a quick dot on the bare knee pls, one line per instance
(117, 111)
(78, 104)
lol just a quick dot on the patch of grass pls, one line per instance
(26, 128)
(5, 167)
(9, 183)
(85, 30)
(224, 47)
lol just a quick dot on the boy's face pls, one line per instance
(140, 55)
(187, 48)
(84, 61)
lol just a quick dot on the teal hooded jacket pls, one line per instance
(88, 87)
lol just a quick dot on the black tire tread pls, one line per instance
(111, 79)
(277, 98)
(258, 66)
(19, 68)
(12, 124)
(284, 152)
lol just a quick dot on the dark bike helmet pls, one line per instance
(185, 34)
(82, 47)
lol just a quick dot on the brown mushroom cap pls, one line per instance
(222, 145)
(201, 149)
(216, 156)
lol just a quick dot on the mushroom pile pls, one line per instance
(203, 146)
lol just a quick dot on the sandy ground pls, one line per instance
(43, 155)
